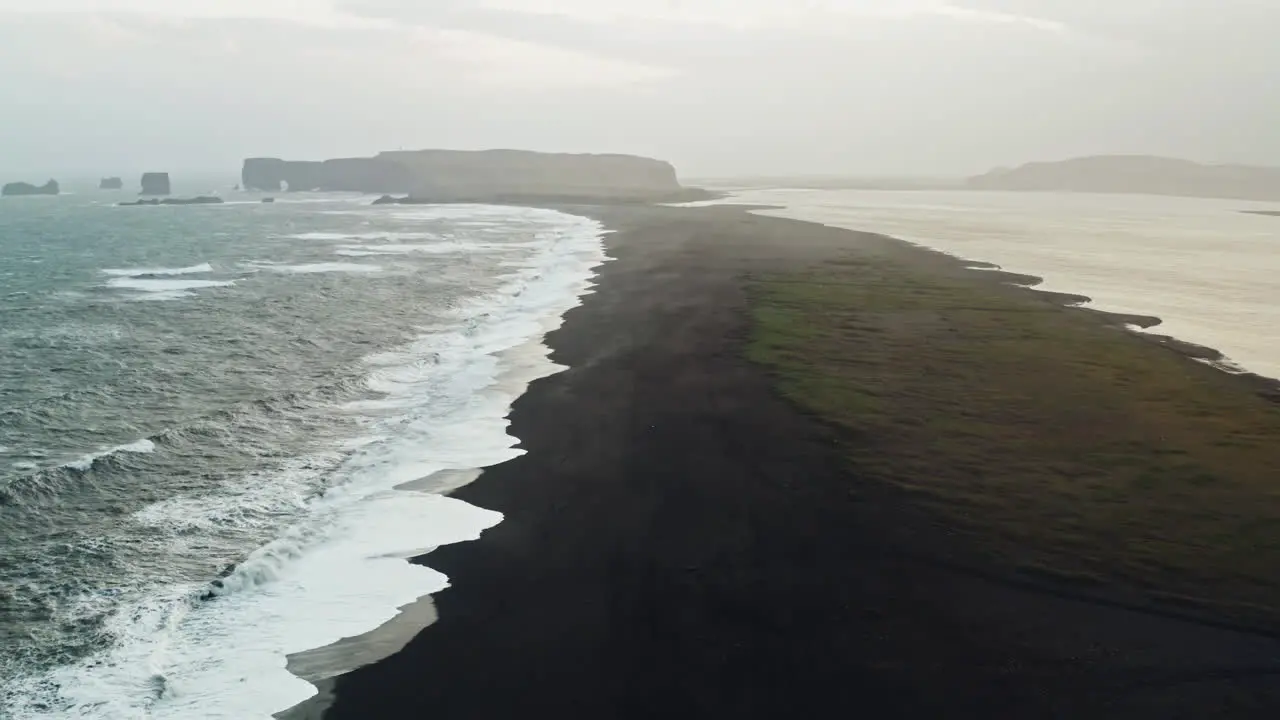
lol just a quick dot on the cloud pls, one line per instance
(303, 11)
(707, 37)
(742, 15)
(496, 61)
(717, 86)
(468, 57)
(962, 12)
(755, 14)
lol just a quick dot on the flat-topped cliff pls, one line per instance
(1137, 174)
(449, 175)
(156, 183)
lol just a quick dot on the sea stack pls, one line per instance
(22, 188)
(155, 183)
(110, 183)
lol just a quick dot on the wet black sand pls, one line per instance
(680, 541)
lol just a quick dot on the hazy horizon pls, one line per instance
(748, 88)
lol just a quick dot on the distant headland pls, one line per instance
(23, 188)
(1137, 174)
(461, 176)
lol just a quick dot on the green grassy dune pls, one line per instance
(1049, 438)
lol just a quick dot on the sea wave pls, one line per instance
(217, 648)
(326, 267)
(348, 236)
(441, 248)
(158, 289)
(138, 447)
(44, 484)
(143, 272)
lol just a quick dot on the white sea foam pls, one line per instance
(86, 462)
(325, 267)
(338, 570)
(326, 198)
(160, 289)
(442, 247)
(140, 272)
(338, 237)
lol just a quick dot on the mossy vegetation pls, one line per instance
(1048, 437)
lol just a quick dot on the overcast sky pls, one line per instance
(719, 87)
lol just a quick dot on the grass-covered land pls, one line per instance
(1048, 437)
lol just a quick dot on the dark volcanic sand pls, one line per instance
(680, 542)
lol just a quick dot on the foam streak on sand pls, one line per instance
(219, 651)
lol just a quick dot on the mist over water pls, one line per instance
(213, 419)
(1210, 272)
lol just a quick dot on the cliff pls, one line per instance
(1137, 174)
(110, 183)
(451, 175)
(22, 188)
(155, 183)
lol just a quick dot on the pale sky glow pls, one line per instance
(754, 14)
(723, 13)
(716, 86)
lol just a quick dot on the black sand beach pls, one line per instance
(691, 535)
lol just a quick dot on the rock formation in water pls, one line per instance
(110, 183)
(1137, 174)
(22, 188)
(155, 183)
(450, 175)
(201, 200)
(346, 174)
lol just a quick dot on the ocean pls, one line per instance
(1209, 271)
(224, 428)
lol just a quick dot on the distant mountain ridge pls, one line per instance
(1147, 174)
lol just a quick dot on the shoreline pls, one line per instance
(1200, 265)
(662, 533)
(1137, 324)
(1264, 384)
(565, 275)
